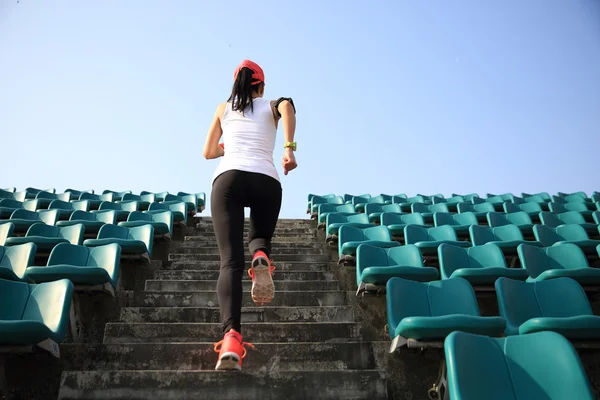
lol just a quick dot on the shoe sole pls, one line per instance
(263, 288)
(228, 362)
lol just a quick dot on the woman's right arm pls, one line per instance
(288, 120)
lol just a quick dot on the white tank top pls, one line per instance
(249, 139)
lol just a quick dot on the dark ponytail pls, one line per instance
(241, 93)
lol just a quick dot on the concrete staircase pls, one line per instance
(309, 344)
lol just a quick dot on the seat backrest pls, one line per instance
(550, 219)
(109, 205)
(113, 231)
(533, 259)
(576, 197)
(440, 207)
(481, 235)
(83, 216)
(130, 205)
(107, 257)
(596, 215)
(60, 205)
(335, 218)
(497, 219)
(576, 206)
(408, 256)
(466, 218)
(13, 299)
(511, 207)
(483, 207)
(391, 208)
(566, 256)
(48, 302)
(89, 196)
(465, 207)
(31, 205)
(358, 218)
(10, 203)
(373, 208)
(520, 301)
(131, 196)
(349, 234)
(557, 208)
(415, 234)
(546, 235)
(572, 232)
(391, 219)
(73, 233)
(444, 218)
(45, 195)
(451, 258)
(519, 218)
(399, 198)
(419, 208)
(536, 198)
(69, 254)
(6, 231)
(488, 256)
(25, 214)
(82, 205)
(571, 217)
(507, 233)
(41, 229)
(443, 232)
(530, 207)
(495, 199)
(144, 233)
(380, 233)
(368, 256)
(376, 200)
(18, 258)
(139, 216)
(48, 216)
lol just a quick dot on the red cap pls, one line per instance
(258, 74)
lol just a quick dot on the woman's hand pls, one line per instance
(288, 161)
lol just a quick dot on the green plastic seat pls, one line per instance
(568, 233)
(507, 237)
(122, 209)
(10, 190)
(178, 209)
(459, 222)
(66, 208)
(133, 241)
(480, 265)
(397, 222)
(341, 209)
(360, 202)
(8, 206)
(316, 200)
(14, 261)
(23, 219)
(31, 193)
(541, 365)
(350, 238)
(553, 220)
(429, 239)
(161, 221)
(376, 265)
(190, 200)
(543, 196)
(91, 221)
(399, 198)
(581, 207)
(559, 305)
(117, 196)
(520, 219)
(406, 204)
(160, 196)
(374, 211)
(427, 211)
(46, 237)
(142, 201)
(97, 199)
(496, 201)
(45, 198)
(467, 196)
(6, 231)
(334, 221)
(429, 311)
(200, 199)
(76, 194)
(31, 314)
(451, 202)
(532, 209)
(81, 265)
(480, 210)
(565, 260)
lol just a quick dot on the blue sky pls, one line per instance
(392, 96)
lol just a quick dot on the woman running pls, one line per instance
(246, 177)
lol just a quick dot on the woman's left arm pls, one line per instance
(211, 146)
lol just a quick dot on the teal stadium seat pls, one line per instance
(310, 197)
(349, 238)
(316, 200)
(451, 202)
(8, 206)
(45, 198)
(84, 266)
(14, 261)
(565, 260)
(541, 365)
(429, 239)
(191, 201)
(178, 209)
(360, 202)
(480, 210)
(76, 194)
(406, 204)
(6, 231)
(35, 315)
(429, 311)
(532, 209)
(507, 237)
(117, 196)
(134, 242)
(553, 220)
(397, 222)
(31, 193)
(142, 201)
(459, 222)
(46, 237)
(559, 305)
(122, 209)
(66, 208)
(581, 207)
(335, 221)
(480, 265)
(521, 219)
(159, 196)
(376, 265)
(161, 221)
(325, 209)
(543, 196)
(96, 199)
(23, 219)
(91, 221)
(568, 233)
(427, 210)
(374, 211)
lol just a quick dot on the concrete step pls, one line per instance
(198, 275)
(260, 385)
(119, 332)
(298, 244)
(282, 223)
(276, 253)
(216, 265)
(276, 257)
(202, 229)
(209, 299)
(277, 239)
(200, 285)
(249, 314)
(201, 356)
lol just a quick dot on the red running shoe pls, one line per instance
(231, 351)
(261, 272)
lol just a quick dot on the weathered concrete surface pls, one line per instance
(279, 275)
(348, 385)
(276, 253)
(216, 265)
(249, 314)
(201, 285)
(117, 332)
(277, 258)
(201, 356)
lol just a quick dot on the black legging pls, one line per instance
(231, 192)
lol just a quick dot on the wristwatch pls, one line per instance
(291, 145)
